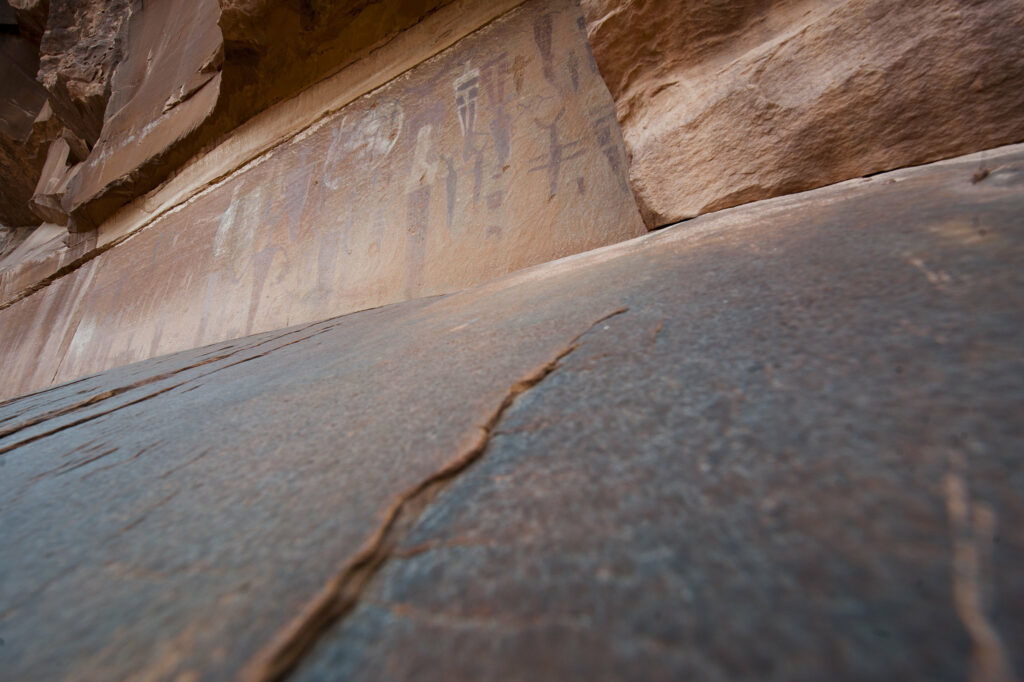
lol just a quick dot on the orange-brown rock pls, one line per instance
(81, 48)
(31, 17)
(724, 103)
(26, 123)
(499, 153)
(165, 87)
(193, 72)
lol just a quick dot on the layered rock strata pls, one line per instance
(499, 153)
(725, 103)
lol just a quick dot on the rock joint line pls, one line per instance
(344, 590)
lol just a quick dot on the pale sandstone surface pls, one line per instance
(725, 103)
(500, 153)
(781, 441)
(40, 253)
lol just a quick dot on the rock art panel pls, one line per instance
(495, 155)
(725, 103)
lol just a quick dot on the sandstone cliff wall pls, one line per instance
(499, 153)
(724, 103)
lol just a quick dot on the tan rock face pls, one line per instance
(499, 153)
(724, 103)
(181, 86)
(164, 89)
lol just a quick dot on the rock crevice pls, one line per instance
(343, 591)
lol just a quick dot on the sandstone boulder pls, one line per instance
(724, 103)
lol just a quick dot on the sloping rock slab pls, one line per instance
(783, 441)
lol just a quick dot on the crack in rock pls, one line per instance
(112, 393)
(343, 591)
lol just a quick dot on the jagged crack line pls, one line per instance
(343, 591)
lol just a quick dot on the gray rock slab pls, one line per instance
(779, 442)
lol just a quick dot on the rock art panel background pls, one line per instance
(499, 153)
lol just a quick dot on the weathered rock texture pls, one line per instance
(500, 153)
(724, 103)
(38, 253)
(81, 48)
(164, 88)
(26, 123)
(801, 465)
(192, 72)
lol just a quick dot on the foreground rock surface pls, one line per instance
(763, 443)
(726, 103)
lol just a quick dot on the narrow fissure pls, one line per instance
(342, 592)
